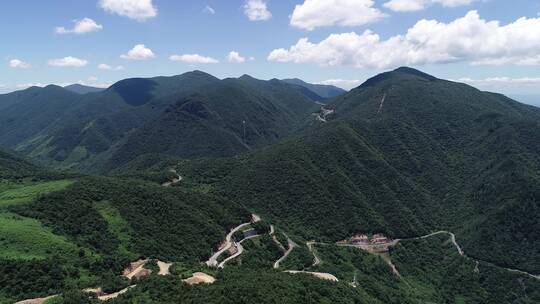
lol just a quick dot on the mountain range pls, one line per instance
(163, 168)
(197, 113)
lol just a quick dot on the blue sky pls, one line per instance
(492, 44)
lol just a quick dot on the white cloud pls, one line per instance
(209, 10)
(256, 10)
(501, 80)
(68, 62)
(235, 57)
(508, 85)
(318, 13)
(531, 60)
(82, 26)
(466, 39)
(104, 66)
(138, 52)
(19, 64)
(346, 84)
(193, 59)
(417, 5)
(139, 10)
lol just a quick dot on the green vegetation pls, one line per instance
(299, 259)
(118, 227)
(239, 285)
(259, 253)
(12, 193)
(165, 223)
(433, 267)
(27, 239)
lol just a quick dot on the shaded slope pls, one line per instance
(26, 113)
(224, 119)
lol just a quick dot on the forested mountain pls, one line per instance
(404, 154)
(325, 91)
(224, 119)
(157, 115)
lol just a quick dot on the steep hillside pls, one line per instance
(325, 91)
(26, 113)
(404, 154)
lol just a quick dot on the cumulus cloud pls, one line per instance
(68, 62)
(346, 84)
(235, 57)
(318, 13)
(139, 10)
(209, 10)
(138, 52)
(417, 5)
(256, 10)
(193, 59)
(82, 26)
(19, 64)
(106, 67)
(466, 39)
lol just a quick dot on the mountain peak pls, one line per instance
(411, 71)
(399, 72)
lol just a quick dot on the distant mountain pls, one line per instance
(325, 91)
(82, 89)
(189, 115)
(528, 99)
(404, 154)
(24, 114)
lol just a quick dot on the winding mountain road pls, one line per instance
(291, 245)
(316, 260)
(239, 250)
(212, 261)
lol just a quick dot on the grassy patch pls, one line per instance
(17, 193)
(117, 226)
(23, 238)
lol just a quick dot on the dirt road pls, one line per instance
(212, 261)
(316, 260)
(291, 245)
(174, 180)
(320, 275)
